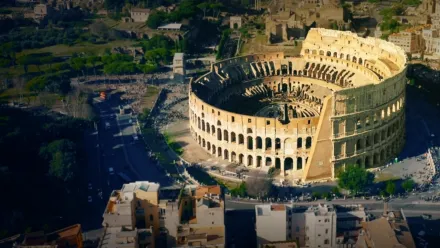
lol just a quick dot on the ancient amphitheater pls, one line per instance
(341, 102)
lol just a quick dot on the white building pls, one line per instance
(321, 226)
(271, 224)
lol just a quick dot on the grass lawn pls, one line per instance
(384, 176)
(159, 149)
(150, 97)
(64, 50)
(31, 98)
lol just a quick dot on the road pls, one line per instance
(114, 147)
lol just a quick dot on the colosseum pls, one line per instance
(340, 102)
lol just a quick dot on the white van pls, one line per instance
(111, 171)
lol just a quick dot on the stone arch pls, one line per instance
(358, 146)
(376, 159)
(348, 57)
(367, 162)
(268, 143)
(388, 111)
(268, 161)
(308, 142)
(233, 137)
(233, 157)
(240, 158)
(214, 150)
(219, 134)
(288, 163)
(226, 154)
(208, 146)
(335, 54)
(341, 56)
(219, 152)
(277, 163)
(314, 52)
(321, 53)
(208, 128)
(382, 155)
(277, 143)
(203, 143)
(198, 122)
(360, 61)
(225, 135)
(259, 142)
(394, 108)
(199, 140)
(329, 54)
(240, 139)
(250, 160)
(299, 163)
(259, 160)
(299, 143)
(219, 123)
(203, 125)
(213, 129)
(250, 143)
(354, 60)
(307, 51)
(249, 130)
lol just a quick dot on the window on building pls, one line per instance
(151, 217)
(297, 228)
(233, 119)
(326, 231)
(249, 120)
(326, 242)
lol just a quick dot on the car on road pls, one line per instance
(135, 137)
(90, 186)
(111, 171)
(89, 199)
(130, 121)
(107, 125)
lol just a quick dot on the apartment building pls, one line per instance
(131, 217)
(193, 218)
(410, 40)
(70, 236)
(139, 15)
(43, 10)
(316, 226)
(392, 230)
(320, 226)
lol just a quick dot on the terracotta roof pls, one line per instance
(202, 190)
(277, 207)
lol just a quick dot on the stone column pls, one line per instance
(282, 165)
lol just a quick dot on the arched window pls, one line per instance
(151, 217)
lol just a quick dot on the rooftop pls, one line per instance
(59, 237)
(141, 185)
(178, 56)
(266, 210)
(140, 10)
(321, 210)
(174, 26)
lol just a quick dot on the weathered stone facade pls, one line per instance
(343, 103)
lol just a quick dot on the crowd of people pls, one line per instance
(173, 107)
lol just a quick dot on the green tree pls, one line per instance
(355, 179)
(408, 185)
(78, 64)
(61, 155)
(203, 6)
(335, 190)
(240, 190)
(37, 84)
(216, 7)
(92, 61)
(156, 19)
(316, 195)
(390, 187)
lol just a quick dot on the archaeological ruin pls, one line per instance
(341, 102)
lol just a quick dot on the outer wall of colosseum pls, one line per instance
(357, 86)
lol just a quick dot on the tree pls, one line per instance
(408, 185)
(92, 60)
(355, 179)
(61, 155)
(391, 187)
(156, 19)
(335, 190)
(203, 6)
(78, 64)
(316, 195)
(240, 190)
(37, 84)
(258, 185)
